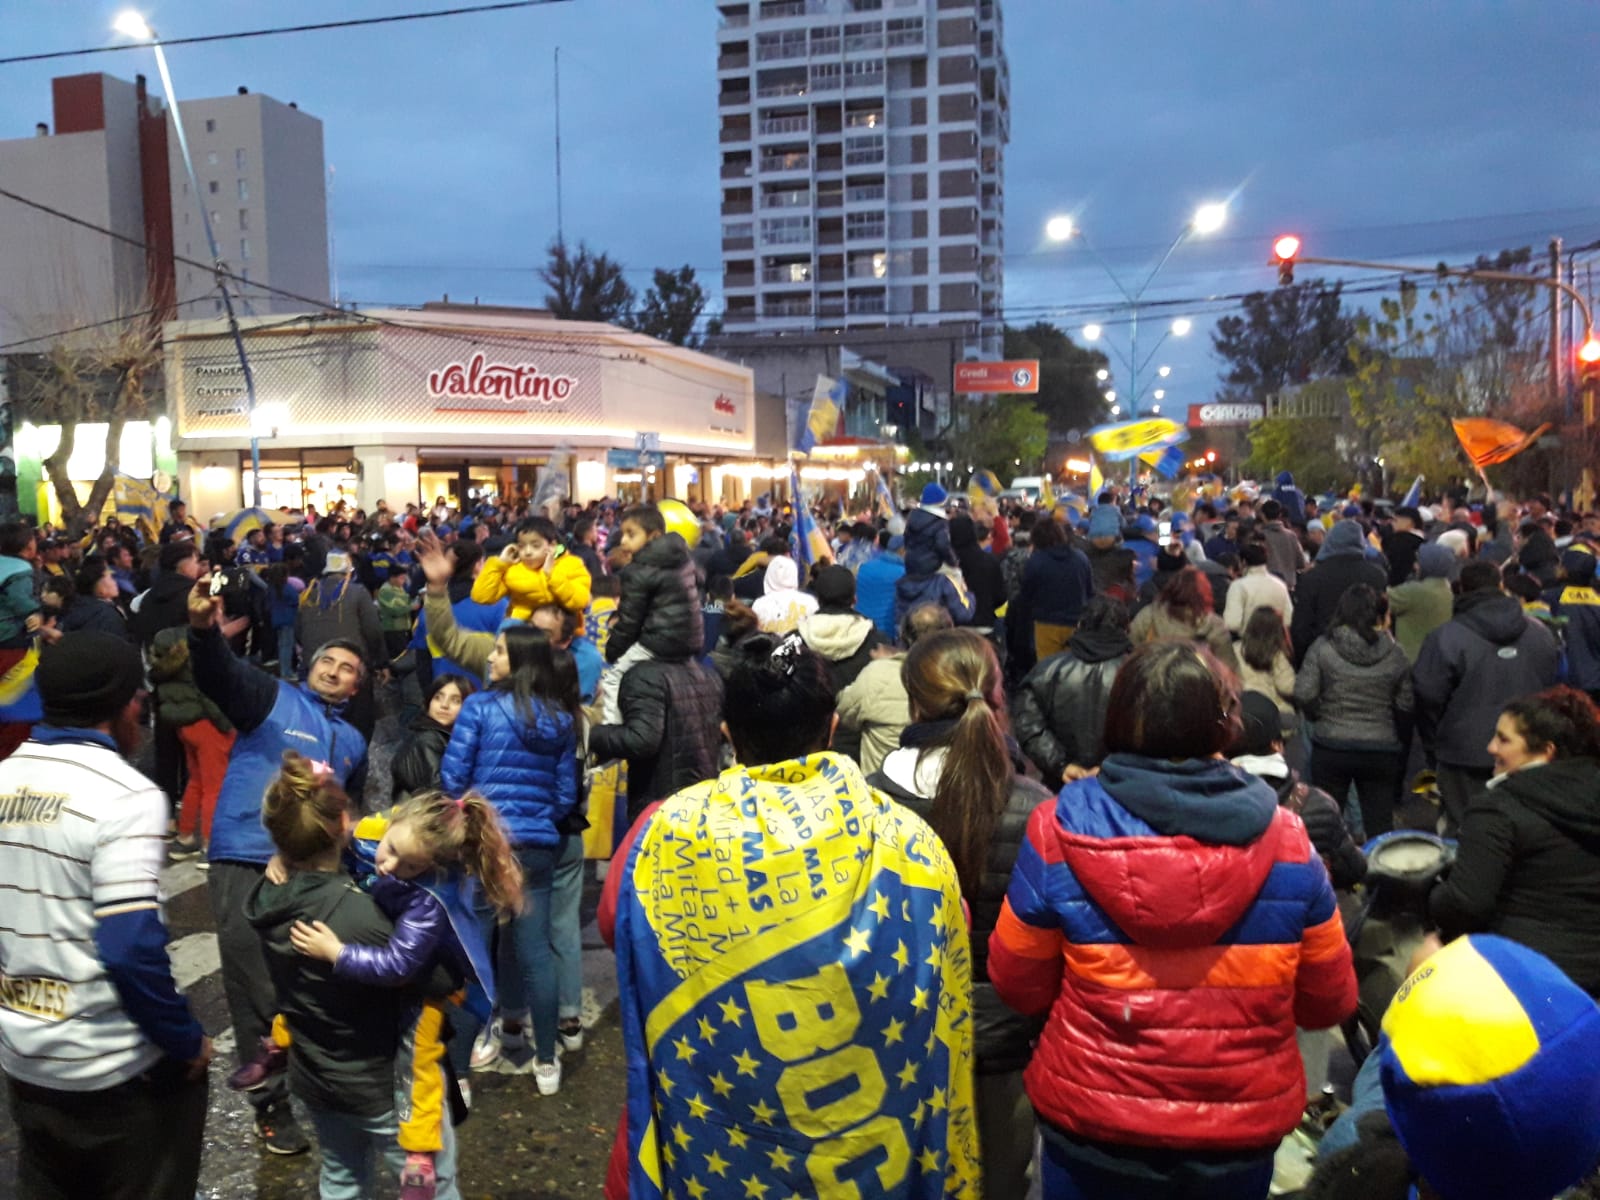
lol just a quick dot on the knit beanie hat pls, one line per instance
(87, 677)
(933, 494)
(1437, 562)
(1105, 521)
(1491, 1072)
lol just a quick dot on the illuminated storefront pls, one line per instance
(453, 402)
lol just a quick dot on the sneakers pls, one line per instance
(465, 1089)
(486, 1049)
(182, 849)
(256, 1074)
(417, 1178)
(570, 1035)
(279, 1131)
(547, 1076)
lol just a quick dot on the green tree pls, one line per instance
(585, 286)
(1308, 446)
(998, 432)
(1069, 394)
(672, 305)
(1283, 337)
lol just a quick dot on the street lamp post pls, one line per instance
(133, 25)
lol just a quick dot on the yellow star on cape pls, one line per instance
(917, 1113)
(754, 1189)
(905, 910)
(880, 905)
(907, 1075)
(666, 1083)
(716, 1164)
(879, 987)
(859, 940)
(708, 1031)
(937, 1102)
(681, 1136)
(894, 1031)
(697, 1190)
(738, 1138)
(902, 956)
(669, 1154)
(686, 1052)
(720, 1084)
(935, 956)
(928, 1160)
(938, 921)
(781, 1158)
(746, 1064)
(764, 1112)
(919, 998)
(731, 1012)
(698, 1108)
(933, 1038)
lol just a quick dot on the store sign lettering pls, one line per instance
(514, 384)
(725, 405)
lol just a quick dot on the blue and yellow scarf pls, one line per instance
(796, 989)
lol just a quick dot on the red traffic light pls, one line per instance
(1285, 248)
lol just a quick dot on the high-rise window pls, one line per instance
(211, 126)
(244, 249)
(239, 159)
(244, 219)
(244, 190)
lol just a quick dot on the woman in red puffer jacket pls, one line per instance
(1176, 926)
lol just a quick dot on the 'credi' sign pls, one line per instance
(479, 382)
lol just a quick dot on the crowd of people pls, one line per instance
(977, 850)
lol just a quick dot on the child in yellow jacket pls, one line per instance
(537, 570)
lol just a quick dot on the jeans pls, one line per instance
(286, 651)
(361, 1158)
(1079, 1170)
(566, 935)
(1376, 775)
(531, 981)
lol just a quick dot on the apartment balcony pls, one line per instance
(864, 157)
(734, 21)
(795, 306)
(832, 199)
(781, 200)
(866, 193)
(734, 61)
(773, 164)
(783, 10)
(737, 208)
(781, 51)
(862, 43)
(870, 305)
(864, 79)
(778, 126)
(826, 47)
(735, 133)
(778, 91)
(867, 270)
(737, 170)
(796, 275)
(733, 99)
(827, 163)
(738, 280)
(831, 307)
(905, 39)
(866, 231)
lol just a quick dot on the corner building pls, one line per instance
(863, 163)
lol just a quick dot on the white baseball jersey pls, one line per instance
(81, 837)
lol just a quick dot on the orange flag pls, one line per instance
(1488, 442)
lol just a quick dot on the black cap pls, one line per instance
(1262, 725)
(87, 678)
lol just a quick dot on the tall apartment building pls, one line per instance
(863, 165)
(111, 159)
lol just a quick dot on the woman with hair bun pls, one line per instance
(1528, 863)
(955, 769)
(1176, 926)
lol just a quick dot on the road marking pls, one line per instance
(193, 958)
(180, 877)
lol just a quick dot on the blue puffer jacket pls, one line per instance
(526, 770)
(912, 591)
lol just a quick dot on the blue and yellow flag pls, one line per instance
(1128, 439)
(822, 418)
(1097, 481)
(140, 505)
(805, 539)
(885, 496)
(1166, 463)
(795, 981)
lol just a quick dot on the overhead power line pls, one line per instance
(464, 10)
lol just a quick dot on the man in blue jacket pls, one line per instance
(876, 579)
(271, 715)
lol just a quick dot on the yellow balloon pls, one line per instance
(681, 521)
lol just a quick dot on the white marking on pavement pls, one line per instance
(180, 877)
(193, 958)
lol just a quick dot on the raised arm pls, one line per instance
(244, 694)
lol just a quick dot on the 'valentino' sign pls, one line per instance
(506, 385)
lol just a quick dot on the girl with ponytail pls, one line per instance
(423, 862)
(956, 769)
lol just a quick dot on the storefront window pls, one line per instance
(293, 480)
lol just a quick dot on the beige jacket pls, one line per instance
(1155, 623)
(876, 704)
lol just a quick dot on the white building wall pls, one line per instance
(261, 174)
(54, 275)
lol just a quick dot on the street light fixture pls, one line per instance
(1116, 410)
(1110, 396)
(1589, 352)
(1159, 394)
(1102, 374)
(1163, 371)
(1209, 218)
(1060, 229)
(130, 23)
(1091, 333)
(1181, 327)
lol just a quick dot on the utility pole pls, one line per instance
(561, 234)
(1558, 365)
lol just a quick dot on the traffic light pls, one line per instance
(1283, 254)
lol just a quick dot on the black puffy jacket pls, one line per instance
(1471, 667)
(660, 605)
(671, 731)
(1324, 823)
(416, 763)
(1059, 712)
(1003, 1038)
(1528, 867)
(1318, 591)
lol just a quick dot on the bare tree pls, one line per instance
(111, 375)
